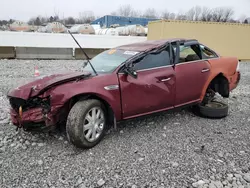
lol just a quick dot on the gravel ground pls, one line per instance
(163, 150)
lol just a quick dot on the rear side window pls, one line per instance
(153, 61)
(189, 53)
(207, 53)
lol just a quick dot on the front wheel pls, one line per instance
(86, 123)
(213, 109)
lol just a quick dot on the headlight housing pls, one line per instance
(16, 103)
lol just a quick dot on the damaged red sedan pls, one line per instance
(126, 82)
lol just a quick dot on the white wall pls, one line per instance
(24, 39)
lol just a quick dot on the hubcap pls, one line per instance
(93, 124)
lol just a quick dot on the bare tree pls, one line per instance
(233, 21)
(136, 13)
(219, 14)
(172, 16)
(86, 17)
(198, 11)
(181, 16)
(228, 14)
(56, 16)
(166, 15)
(51, 19)
(194, 13)
(150, 13)
(32, 21)
(125, 10)
(222, 14)
(206, 14)
(242, 18)
(113, 13)
(3, 22)
(39, 20)
(190, 14)
(247, 20)
(70, 20)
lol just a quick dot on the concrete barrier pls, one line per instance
(43, 53)
(90, 52)
(7, 52)
(63, 40)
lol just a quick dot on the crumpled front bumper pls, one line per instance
(34, 117)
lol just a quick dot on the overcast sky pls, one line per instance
(24, 9)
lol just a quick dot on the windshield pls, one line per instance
(109, 60)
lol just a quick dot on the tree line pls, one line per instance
(197, 13)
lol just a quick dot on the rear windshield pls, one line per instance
(109, 60)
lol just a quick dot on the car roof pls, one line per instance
(150, 44)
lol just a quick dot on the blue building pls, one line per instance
(107, 21)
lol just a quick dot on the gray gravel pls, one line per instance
(157, 151)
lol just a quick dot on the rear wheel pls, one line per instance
(86, 123)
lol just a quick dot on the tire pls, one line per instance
(78, 116)
(213, 109)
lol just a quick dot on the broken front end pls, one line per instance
(33, 113)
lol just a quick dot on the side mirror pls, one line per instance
(130, 71)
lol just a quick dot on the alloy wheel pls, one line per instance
(93, 124)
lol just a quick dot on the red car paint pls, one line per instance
(154, 90)
(190, 81)
(150, 91)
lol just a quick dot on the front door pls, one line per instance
(191, 75)
(154, 88)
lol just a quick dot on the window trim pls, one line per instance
(165, 66)
(149, 69)
(189, 62)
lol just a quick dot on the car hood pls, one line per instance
(41, 84)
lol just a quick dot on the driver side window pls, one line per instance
(153, 61)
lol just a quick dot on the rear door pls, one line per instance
(192, 72)
(153, 89)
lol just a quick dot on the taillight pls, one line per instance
(238, 66)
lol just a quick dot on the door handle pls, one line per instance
(166, 79)
(205, 70)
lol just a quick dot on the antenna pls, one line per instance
(88, 59)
